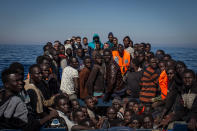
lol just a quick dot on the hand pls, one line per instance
(192, 124)
(128, 92)
(53, 113)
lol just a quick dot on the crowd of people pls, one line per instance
(146, 90)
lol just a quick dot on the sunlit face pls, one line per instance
(36, 75)
(63, 106)
(90, 103)
(14, 84)
(45, 71)
(75, 63)
(88, 63)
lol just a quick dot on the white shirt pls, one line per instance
(67, 82)
(69, 123)
(131, 51)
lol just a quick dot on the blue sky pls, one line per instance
(160, 22)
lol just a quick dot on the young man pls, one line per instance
(83, 77)
(149, 83)
(13, 111)
(70, 76)
(186, 107)
(85, 46)
(62, 107)
(110, 40)
(122, 58)
(95, 81)
(114, 81)
(128, 45)
(33, 86)
(80, 57)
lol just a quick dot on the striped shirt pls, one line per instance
(149, 85)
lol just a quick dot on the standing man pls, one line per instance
(114, 81)
(85, 46)
(70, 76)
(122, 58)
(110, 40)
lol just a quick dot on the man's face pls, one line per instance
(141, 47)
(75, 105)
(62, 50)
(141, 57)
(120, 48)
(188, 79)
(111, 114)
(126, 42)
(147, 48)
(15, 83)
(162, 66)
(147, 123)
(127, 117)
(63, 105)
(56, 46)
(96, 39)
(153, 63)
(135, 124)
(80, 116)
(55, 55)
(97, 45)
(36, 75)
(180, 68)
(98, 60)
(80, 53)
(88, 63)
(90, 103)
(170, 74)
(115, 41)
(78, 40)
(75, 63)
(110, 37)
(45, 71)
(107, 56)
(116, 105)
(85, 41)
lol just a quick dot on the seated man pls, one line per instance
(186, 108)
(13, 111)
(62, 107)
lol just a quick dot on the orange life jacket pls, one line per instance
(123, 62)
(163, 84)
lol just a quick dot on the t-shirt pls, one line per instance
(69, 123)
(67, 82)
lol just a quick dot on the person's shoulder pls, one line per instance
(16, 100)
